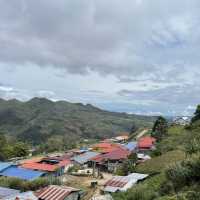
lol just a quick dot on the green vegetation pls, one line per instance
(160, 163)
(159, 130)
(128, 166)
(174, 168)
(11, 149)
(23, 186)
(41, 121)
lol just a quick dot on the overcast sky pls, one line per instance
(137, 56)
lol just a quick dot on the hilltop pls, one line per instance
(38, 119)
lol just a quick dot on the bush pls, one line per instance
(22, 185)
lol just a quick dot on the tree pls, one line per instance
(20, 149)
(196, 114)
(160, 128)
(128, 166)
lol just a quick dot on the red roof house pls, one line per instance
(146, 143)
(47, 164)
(119, 153)
(105, 147)
(54, 192)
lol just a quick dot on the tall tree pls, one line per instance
(196, 114)
(160, 128)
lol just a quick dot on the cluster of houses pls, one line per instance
(105, 156)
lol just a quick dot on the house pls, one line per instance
(110, 161)
(22, 196)
(6, 192)
(123, 183)
(142, 157)
(85, 157)
(54, 192)
(122, 138)
(5, 165)
(54, 166)
(105, 147)
(183, 121)
(20, 173)
(132, 146)
(146, 143)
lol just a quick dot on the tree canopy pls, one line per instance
(160, 128)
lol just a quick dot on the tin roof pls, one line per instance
(131, 146)
(4, 165)
(5, 192)
(146, 142)
(40, 166)
(54, 192)
(117, 154)
(21, 173)
(45, 164)
(121, 183)
(83, 158)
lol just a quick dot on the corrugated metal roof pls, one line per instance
(54, 192)
(40, 166)
(117, 154)
(146, 142)
(4, 165)
(5, 192)
(45, 164)
(131, 146)
(85, 157)
(120, 182)
(21, 173)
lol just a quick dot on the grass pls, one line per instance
(158, 164)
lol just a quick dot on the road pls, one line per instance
(142, 133)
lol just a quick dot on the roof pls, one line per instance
(83, 158)
(116, 154)
(122, 183)
(54, 192)
(21, 173)
(22, 196)
(146, 142)
(106, 147)
(4, 165)
(122, 137)
(131, 146)
(37, 165)
(5, 192)
(40, 166)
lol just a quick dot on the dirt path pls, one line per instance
(142, 133)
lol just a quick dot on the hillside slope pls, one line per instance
(38, 119)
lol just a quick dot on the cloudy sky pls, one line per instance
(137, 56)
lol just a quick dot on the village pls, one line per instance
(88, 173)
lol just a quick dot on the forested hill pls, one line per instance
(38, 119)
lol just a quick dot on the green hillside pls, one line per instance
(174, 168)
(39, 119)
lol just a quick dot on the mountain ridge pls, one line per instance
(39, 118)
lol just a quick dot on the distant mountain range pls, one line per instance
(38, 119)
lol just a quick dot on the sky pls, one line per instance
(135, 56)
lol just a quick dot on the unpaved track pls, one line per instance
(142, 133)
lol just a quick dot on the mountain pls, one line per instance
(38, 119)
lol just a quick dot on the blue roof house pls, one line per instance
(4, 165)
(131, 146)
(84, 158)
(21, 173)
